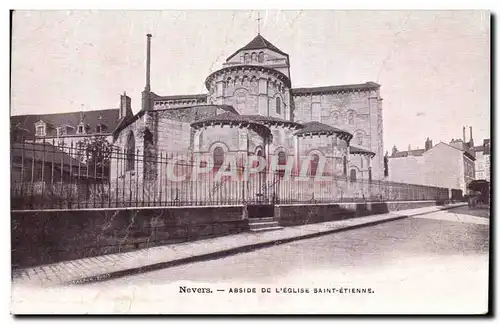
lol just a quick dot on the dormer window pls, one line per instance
(40, 128)
(81, 129)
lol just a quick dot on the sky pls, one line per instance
(433, 66)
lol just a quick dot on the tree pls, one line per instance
(97, 152)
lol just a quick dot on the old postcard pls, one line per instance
(250, 162)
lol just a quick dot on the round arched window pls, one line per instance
(247, 58)
(281, 158)
(241, 98)
(351, 118)
(259, 153)
(314, 164)
(353, 175)
(281, 162)
(278, 105)
(261, 57)
(130, 152)
(218, 156)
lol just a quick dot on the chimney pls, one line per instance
(471, 141)
(146, 94)
(125, 106)
(428, 144)
(464, 133)
(148, 64)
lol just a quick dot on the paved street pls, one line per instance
(433, 263)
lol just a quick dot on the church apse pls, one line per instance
(250, 107)
(251, 90)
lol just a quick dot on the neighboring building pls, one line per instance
(448, 166)
(42, 162)
(70, 129)
(483, 162)
(44, 174)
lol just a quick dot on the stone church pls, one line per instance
(251, 108)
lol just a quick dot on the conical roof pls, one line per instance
(259, 42)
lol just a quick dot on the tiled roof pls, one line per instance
(227, 116)
(272, 120)
(42, 152)
(315, 127)
(359, 150)
(232, 119)
(201, 96)
(259, 42)
(258, 119)
(336, 88)
(92, 118)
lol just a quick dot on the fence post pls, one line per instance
(52, 175)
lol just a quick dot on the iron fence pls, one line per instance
(48, 176)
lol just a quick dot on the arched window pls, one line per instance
(360, 138)
(386, 166)
(254, 57)
(261, 57)
(260, 153)
(281, 158)
(335, 117)
(345, 166)
(281, 162)
(240, 102)
(351, 118)
(218, 156)
(353, 175)
(278, 105)
(148, 157)
(130, 152)
(314, 164)
(247, 58)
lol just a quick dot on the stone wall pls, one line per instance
(358, 112)
(330, 148)
(293, 215)
(250, 90)
(40, 237)
(173, 127)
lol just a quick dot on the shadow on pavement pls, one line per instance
(478, 211)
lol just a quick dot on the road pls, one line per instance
(434, 263)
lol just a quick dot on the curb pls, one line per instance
(231, 251)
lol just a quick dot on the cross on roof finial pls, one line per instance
(258, 22)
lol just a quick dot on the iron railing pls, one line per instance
(48, 176)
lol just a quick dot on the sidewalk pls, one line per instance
(122, 264)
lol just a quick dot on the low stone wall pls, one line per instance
(41, 237)
(293, 215)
